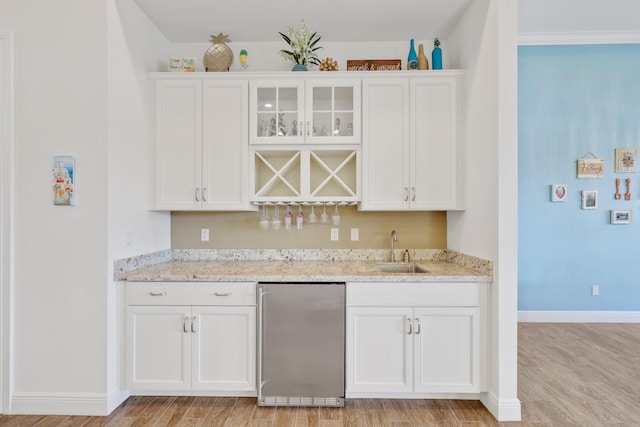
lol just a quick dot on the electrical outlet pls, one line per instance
(595, 290)
(334, 233)
(355, 234)
(204, 235)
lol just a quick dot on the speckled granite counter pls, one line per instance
(273, 265)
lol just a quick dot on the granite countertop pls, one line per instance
(298, 265)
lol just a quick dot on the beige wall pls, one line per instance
(234, 230)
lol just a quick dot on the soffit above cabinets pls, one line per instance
(350, 21)
(578, 16)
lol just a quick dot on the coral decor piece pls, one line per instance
(329, 64)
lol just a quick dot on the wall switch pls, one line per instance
(595, 290)
(204, 234)
(355, 234)
(334, 234)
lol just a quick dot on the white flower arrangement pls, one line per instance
(303, 45)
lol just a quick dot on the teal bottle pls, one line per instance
(412, 60)
(436, 55)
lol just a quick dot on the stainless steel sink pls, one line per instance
(401, 267)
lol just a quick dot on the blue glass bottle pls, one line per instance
(436, 55)
(412, 60)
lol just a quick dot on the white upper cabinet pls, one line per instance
(412, 144)
(319, 111)
(200, 145)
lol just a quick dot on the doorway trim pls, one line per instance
(6, 213)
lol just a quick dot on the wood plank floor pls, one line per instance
(569, 375)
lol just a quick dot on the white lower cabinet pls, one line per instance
(180, 348)
(414, 339)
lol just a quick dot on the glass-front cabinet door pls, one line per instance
(323, 111)
(333, 112)
(277, 112)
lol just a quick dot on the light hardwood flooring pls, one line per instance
(568, 375)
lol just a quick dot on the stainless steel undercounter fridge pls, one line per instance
(301, 339)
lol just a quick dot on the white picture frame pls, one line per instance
(559, 192)
(621, 217)
(589, 199)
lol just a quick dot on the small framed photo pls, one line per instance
(621, 217)
(64, 181)
(625, 160)
(559, 192)
(589, 199)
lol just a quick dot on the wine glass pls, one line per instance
(324, 218)
(275, 220)
(312, 218)
(335, 218)
(299, 218)
(265, 221)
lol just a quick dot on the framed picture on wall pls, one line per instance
(621, 217)
(625, 160)
(590, 168)
(589, 199)
(559, 192)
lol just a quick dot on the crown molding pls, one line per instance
(578, 37)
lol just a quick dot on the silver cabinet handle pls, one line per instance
(193, 324)
(197, 194)
(413, 194)
(417, 325)
(157, 294)
(406, 194)
(220, 294)
(410, 327)
(204, 194)
(185, 327)
(308, 127)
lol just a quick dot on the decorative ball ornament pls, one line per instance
(329, 64)
(219, 56)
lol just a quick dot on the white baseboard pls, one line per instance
(579, 316)
(502, 409)
(87, 404)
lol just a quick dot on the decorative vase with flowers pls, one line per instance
(302, 47)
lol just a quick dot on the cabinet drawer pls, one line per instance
(191, 293)
(414, 294)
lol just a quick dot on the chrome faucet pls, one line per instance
(394, 238)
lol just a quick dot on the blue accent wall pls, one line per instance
(574, 100)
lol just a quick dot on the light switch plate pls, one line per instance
(334, 233)
(355, 234)
(204, 234)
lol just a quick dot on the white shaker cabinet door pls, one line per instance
(385, 144)
(379, 356)
(224, 348)
(447, 348)
(436, 154)
(177, 145)
(158, 352)
(225, 145)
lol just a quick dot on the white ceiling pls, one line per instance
(334, 20)
(373, 20)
